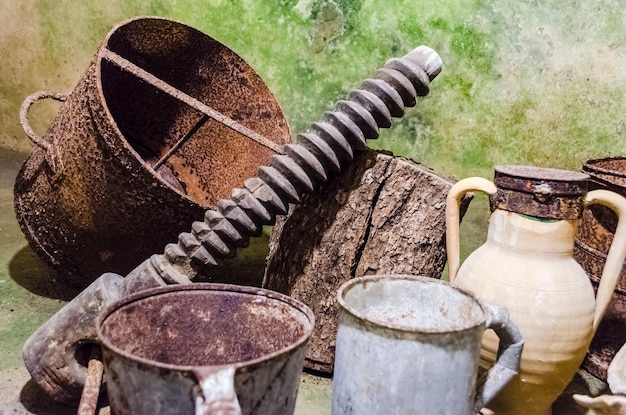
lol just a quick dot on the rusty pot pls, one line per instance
(593, 241)
(204, 349)
(164, 123)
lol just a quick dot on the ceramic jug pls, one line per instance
(527, 266)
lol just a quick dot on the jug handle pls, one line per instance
(617, 251)
(507, 363)
(453, 217)
(216, 393)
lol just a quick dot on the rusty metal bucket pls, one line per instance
(198, 348)
(164, 123)
(592, 244)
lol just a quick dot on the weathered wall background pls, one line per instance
(539, 82)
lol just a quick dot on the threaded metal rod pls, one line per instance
(318, 154)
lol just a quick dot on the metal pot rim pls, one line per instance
(596, 166)
(405, 328)
(245, 290)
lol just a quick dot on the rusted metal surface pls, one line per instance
(91, 392)
(317, 156)
(540, 192)
(593, 241)
(159, 344)
(164, 123)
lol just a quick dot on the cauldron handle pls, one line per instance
(54, 161)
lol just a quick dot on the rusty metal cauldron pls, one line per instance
(593, 240)
(164, 123)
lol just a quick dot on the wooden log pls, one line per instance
(383, 215)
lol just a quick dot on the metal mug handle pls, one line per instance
(509, 354)
(453, 217)
(216, 394)
(617, 251)
(52, 155)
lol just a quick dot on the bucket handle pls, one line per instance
(216, 393)
(507, 363)
(52, 156)
(617, 251)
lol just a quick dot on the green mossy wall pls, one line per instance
(533, 82)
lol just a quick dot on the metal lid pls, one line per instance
(541, 192)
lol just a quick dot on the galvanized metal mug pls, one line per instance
(411, 345)
(204, 349)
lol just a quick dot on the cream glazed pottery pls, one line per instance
(527, 266)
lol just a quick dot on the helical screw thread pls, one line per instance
(316, 156)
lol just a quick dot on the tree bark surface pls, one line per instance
(383, 215)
